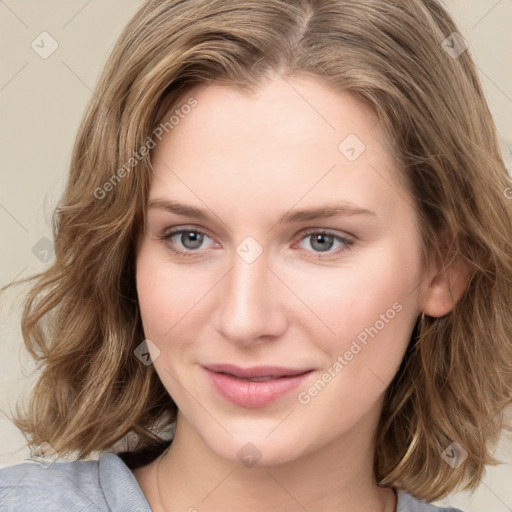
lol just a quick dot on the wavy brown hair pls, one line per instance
(81, 320)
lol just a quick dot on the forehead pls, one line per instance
(294, 139)
(286, 111)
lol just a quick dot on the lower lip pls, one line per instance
(250, 394)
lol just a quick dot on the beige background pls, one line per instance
(41, 103)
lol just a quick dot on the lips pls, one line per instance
(256, 372)
(254, 387)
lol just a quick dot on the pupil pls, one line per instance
(323, 245)
(191, 239)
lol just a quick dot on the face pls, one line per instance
(294, 259)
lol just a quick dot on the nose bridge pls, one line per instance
(248, 306)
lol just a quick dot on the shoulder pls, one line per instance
(407, 503)
(61, 485)
(58, 486)
(78, 486)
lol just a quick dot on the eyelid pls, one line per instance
(346, 239)
(186, 227)
(168, 233)
(325, 231)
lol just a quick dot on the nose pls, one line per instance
(249, 307)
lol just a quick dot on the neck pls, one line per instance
(337, 477)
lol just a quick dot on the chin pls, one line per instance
(258, 450)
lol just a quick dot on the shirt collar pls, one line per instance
(121, 489)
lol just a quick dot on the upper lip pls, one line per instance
(255, 371)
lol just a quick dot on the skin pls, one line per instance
(247, 159)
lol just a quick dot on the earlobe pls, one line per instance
(445, 287)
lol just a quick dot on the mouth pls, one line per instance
(257, 386)
(256, 373)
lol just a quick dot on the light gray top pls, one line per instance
(103, 485)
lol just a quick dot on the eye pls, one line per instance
(184, 241)
(322, 241)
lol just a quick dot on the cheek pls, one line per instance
(350, 299)
(170, 295)
(370, 338)
(370, 310)
(159, 292)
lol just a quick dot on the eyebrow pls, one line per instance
(327, 211)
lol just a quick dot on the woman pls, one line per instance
(282, 268)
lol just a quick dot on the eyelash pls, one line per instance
(166, 237)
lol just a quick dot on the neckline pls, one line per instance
(119, 485)
(128, 496)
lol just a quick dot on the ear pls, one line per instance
(445, 287)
